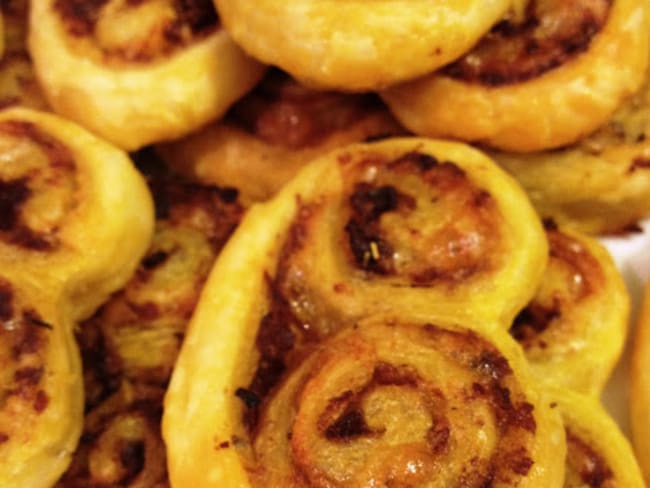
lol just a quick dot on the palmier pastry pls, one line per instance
(348, 46)
(272, 132)
(76, 219)
(18, 85)
(335, 306)
(129, 346)
(640, 387)
(137, 73)
(540, 83)
(578, 319)
(600, 184)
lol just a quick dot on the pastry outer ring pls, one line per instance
(355, 46)
(551, 110)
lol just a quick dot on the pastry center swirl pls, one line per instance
(372, 408)
(422, 220)
(38, 188)
(138, 30)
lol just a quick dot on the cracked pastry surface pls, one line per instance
(64, 193)
(133, 72)
(324, 288)
(354, 47)
(538, 84)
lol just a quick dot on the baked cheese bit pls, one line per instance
(76, 219)
(600, 184)
(536, 84)
(353, 46)
(137, 72)
(640, 387)
(269, 135)
(337, 306)
(598, 454)
(577, 321)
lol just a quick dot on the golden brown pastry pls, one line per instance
(341, 362)
(137, 72)
(18, 85)
(598, 454)
(599, 185)
(578, 319)
(271, 133)
(129, 346)
(640, 387)
(76, 219)
(539, 83)
(356, 46)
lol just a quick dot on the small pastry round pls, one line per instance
(137, 73)
(599, 185)
(75, 219)
(598, 454)
(540, 83)
(271, 133)
(578, 319)
(351, 47)
(640, 387)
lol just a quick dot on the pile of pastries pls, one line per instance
(318, 243)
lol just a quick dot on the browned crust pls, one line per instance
(15, 192)
(551, 34)
(194, 19)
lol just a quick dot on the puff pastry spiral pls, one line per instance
(76, 219)
(341, 358)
